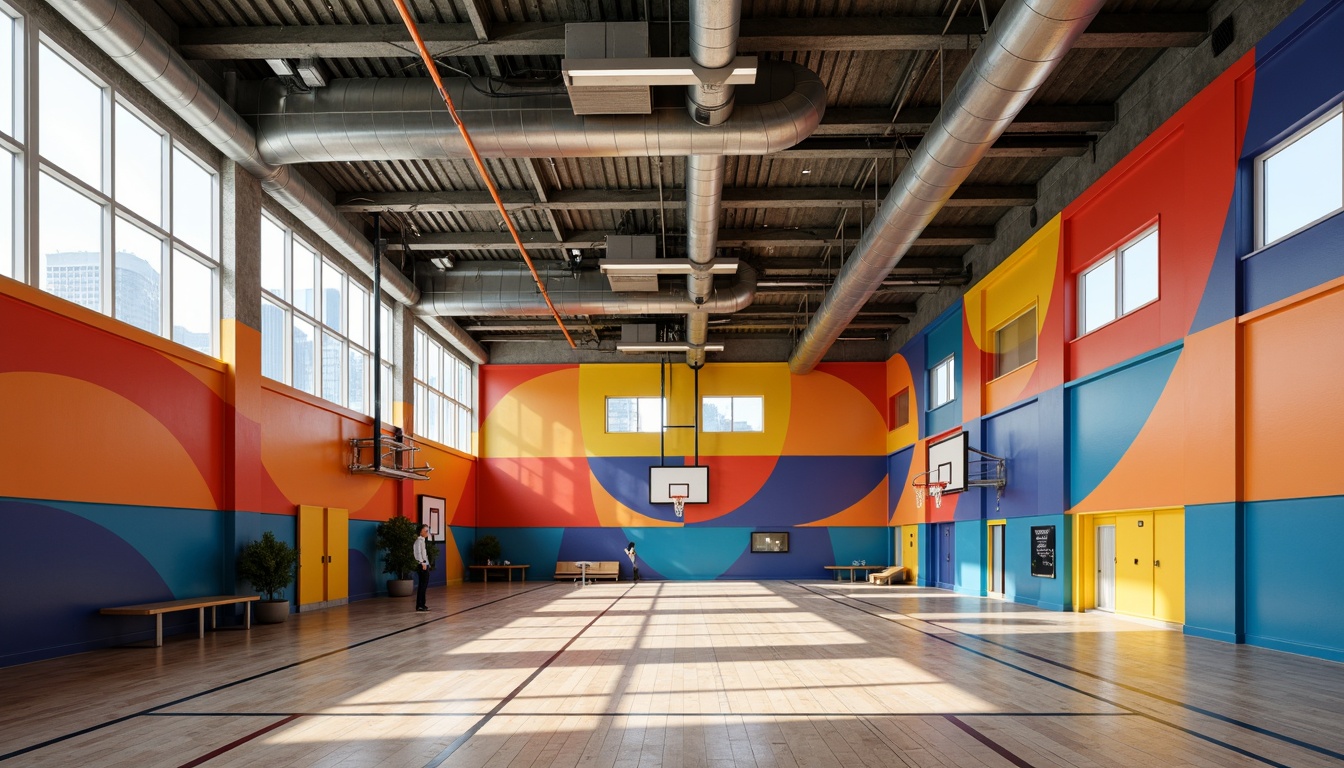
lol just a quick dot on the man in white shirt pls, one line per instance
(422, 557)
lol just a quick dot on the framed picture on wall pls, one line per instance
(770, 541)
(433, 512)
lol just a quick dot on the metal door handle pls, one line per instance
(1136, 561)
(1157, 563)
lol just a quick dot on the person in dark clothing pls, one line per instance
(422, 557)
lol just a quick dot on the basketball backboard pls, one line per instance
(947, 462)
(692, 483)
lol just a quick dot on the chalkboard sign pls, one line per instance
(1043, 551)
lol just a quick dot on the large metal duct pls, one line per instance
(487, 290)
(373, 119)
(714, 25)
(119, 31)
(1027, 40)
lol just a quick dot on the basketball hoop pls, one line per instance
(934, 488)
(679, 505)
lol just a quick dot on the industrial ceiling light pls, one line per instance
(280, 67)
(666, 266)
(663, 346)
(311, 73)
(679, 70)
(442, 262)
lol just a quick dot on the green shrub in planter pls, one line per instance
(485, 549)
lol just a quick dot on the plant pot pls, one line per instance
(272, 611)
(400, 587)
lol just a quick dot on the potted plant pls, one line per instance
(396, 539)
(269, 565)
(485, 550)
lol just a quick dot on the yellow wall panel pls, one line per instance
(1134, 563)
(1169, 568)
(910, 549)
(338, 548)
(542, 417)
(312, 548)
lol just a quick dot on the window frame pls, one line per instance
(1116, 256)
(113, 212)
(606, 415)
(292, 315)
(951, 362)
(732, 410)
(1036, 342)
(1258, 171)
(434, 404)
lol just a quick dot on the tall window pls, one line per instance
(443, 394)
(635, 414)
(11, 145)
(943, 383)
(898, 409)
(733, 414)
(314, 322)
(386, 353)
(1301, 180)
(1015, 343)
(127, 227)
(1118, 284)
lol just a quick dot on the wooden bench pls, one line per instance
(600, 569)
(852, 569)
(892, 575)
(199, 603)
(486, 569)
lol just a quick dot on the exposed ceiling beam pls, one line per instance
(1145, 30)
(479, 16)
(971, 196)
(910, 265)
(1043, 118)
(728, 238)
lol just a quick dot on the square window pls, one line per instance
(1126, 280)
(1015, 343)
(273, 258)
(1301, 180)
(898, 409)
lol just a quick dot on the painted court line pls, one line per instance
(259, 675)
(465, 737)
(1184, 705)
(828, 713)
(233, 744)
(998, 748)
(1201, 736)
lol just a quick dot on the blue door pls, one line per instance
(943, 551)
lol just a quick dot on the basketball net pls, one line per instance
(934, 489)
(679, 505)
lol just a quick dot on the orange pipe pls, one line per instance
(480, 166)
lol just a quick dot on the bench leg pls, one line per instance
(247, 615)
(200, 623)
(158, 630)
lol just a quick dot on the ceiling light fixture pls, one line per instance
(666, 266)
(280, 67)
(663, 346)
(655, 71)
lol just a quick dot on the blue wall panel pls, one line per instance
(1299, 73)
(1213, 568)
(943, 338)
(969, 543)
(1303, 261)
(1019, 585)
(898, 472)
(1106, 412)
(1292, 576)
(1015, 434)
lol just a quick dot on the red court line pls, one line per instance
(231, 745)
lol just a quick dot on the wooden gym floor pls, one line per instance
(679, 674)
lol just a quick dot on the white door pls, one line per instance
(996, 559)
(1106, 567)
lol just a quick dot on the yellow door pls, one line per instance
(910, 558)
(1169, 565)
(312, 553)
(1134, 563)
(338, 553)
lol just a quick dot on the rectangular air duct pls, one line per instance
(609, 40)
(631, 248)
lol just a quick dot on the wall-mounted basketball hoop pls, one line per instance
(679, 505)
(387, 456)
(952, 470)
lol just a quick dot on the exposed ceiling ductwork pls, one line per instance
(372, 119)
(1026, 42)
(123, 35)
(489, 291)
